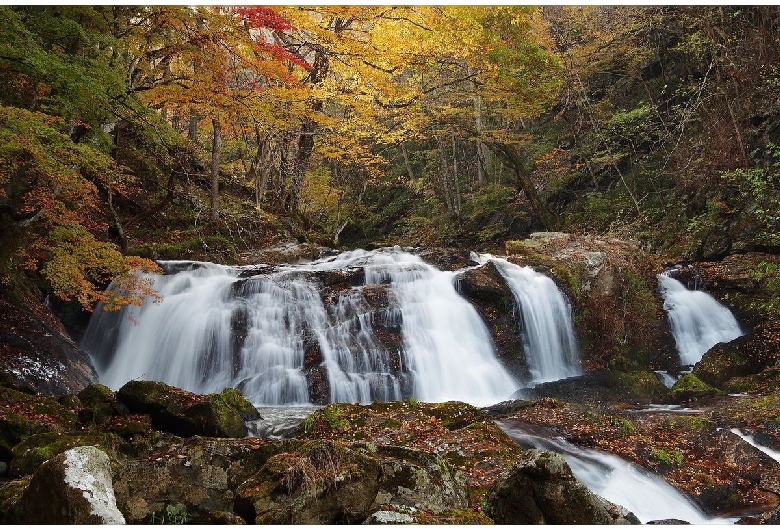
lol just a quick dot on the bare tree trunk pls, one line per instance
(192, 129)
(456, 184)
(409, 169)
(481, 149)
(444, 178)
(216, 149)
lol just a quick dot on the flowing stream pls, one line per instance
(698, 321)
(620, 482)
(253, 328)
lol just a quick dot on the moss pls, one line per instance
(689, 386)
(15, 428)
(36, 449)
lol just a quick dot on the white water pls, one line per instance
(698, 321)
(774, 455)
(188, 340)
(546, 323)
(620, 482)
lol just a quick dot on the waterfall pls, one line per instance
(646, 495)
(271, 331)
(698, 321)
(545, 321)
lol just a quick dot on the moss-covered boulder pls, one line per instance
(320, 482)
(691, 387)
(541, 489)
(420, 480)
(186, 414)
(98, 404)
(74, 487)
(36, 449)
(464, 436)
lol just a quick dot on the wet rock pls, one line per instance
(447, 259)
(37, 352)
(486, 290)
(186, 414)
(74, 487)
(541, 489)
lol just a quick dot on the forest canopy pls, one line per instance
(131, 133)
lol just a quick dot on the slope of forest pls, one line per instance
(177, 132)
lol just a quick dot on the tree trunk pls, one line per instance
(216, 149)
(524, 182)
(409, 169)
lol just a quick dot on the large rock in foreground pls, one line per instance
(75, 487)
(541, 489)
(186, 414)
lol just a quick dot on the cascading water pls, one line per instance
(546, 323)
(620, 482)
(697, 321)
(215, 328)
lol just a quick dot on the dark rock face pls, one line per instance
(186, 414)
(486, 290)
(36, 351)
(541, 489)
(74, 487)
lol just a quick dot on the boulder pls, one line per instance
(98, 403)
(691, 387)
(186, 414)
(74, 487)
(320, 482)
(196, 477)
(541, 489)
(420, 480)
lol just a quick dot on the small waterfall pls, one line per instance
(697, 321)
(269, 331)
(447, 347)
(545, 314)
(646, 495)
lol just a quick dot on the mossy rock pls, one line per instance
(319, 482)
(36, 449)
(98, 404)
(689, 387)
(15, 428)
(186, 414)
(751, 411)
(764, 382)
(642, 386)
